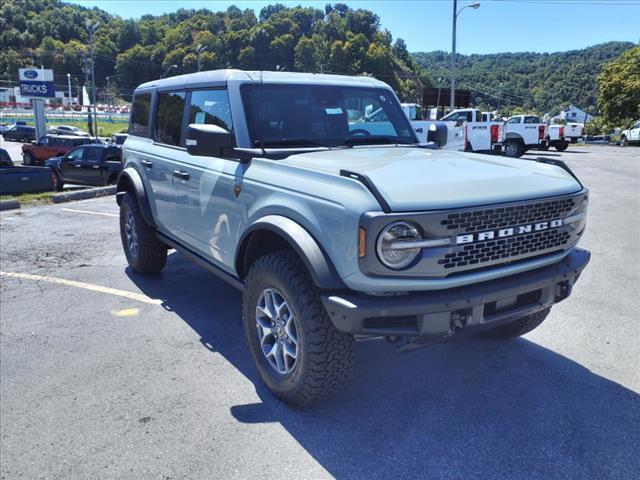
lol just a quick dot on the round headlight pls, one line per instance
(389, 247)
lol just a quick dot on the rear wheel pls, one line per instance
(518, 327)
(561, 147)
(513, 149)
(144, 252)
(299, 354)
(623, 141)
(544, 147)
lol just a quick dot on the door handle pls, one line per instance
(146, 163)
(182, 175)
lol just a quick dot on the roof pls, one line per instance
(221, 77)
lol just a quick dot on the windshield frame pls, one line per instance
(399, 120)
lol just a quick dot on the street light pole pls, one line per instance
(199, 49)
(166, 72)
(91, 28)
(69, 88)
(456, 12)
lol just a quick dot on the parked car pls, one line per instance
(555, 138)
(94, 164)
(573, 132)
(119, 138)
(19, 133)
(50, 146)
(631, 135)
(68, 130)
(467, 129)
(336, 227)
(521, 133)
(18, 179)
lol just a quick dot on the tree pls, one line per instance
(305, 57)
(619, 88)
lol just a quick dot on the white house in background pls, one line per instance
(574, 115)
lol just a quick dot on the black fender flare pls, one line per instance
(129, 180)
(318, 264)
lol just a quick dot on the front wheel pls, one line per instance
(56, 181)
(513, 149)
(144, 252)
(623, 141)
(299, 354)
(518, 327)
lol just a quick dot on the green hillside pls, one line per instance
(545, 82)
(337, 39)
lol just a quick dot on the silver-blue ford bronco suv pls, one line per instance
(312, 195)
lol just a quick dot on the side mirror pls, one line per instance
(438, 134)
(209, 141)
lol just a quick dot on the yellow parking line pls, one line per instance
(86, 286)
(90, 212)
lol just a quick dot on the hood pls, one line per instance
(52, 161)
(413, 179)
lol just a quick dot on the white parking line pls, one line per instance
(90, 212)
(87, 286)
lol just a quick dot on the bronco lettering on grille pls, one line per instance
(507, 232)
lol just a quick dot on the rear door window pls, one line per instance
(93, 155)
(210, 107)
(168, 124)
(514, 120)
(139, 124)
(76, 154)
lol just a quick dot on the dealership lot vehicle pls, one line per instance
(19, 133)
(573, 132)
(631, 135)
(521, 133)
(82, 367)
(397, 249)
(16, 179)
(68, 130)
(555, 138)
(87, 165)
(50, 146)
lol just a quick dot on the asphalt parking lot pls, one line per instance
(106, 374)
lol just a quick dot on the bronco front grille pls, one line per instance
(505, 248)
(479, 220)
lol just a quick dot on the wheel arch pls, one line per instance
(129, 181)
(274, 233)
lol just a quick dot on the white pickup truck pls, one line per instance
(631, 134)
(573, 132)
(467, 129)
(555, 138)
(521, 133)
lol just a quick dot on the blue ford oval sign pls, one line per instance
(31, 74)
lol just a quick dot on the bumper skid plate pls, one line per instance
(425, 318)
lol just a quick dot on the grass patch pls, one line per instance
(30, 198)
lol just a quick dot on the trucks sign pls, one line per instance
(35, 82)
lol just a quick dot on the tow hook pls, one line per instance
(459, 320)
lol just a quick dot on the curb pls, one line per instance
(9, 204)
(83, 194)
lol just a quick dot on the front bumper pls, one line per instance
(434, 316)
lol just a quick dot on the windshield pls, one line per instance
(323, 115)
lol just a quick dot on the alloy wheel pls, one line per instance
(131, 234)
(277, 331)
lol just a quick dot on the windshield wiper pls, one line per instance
(374, 140)
(296, 142)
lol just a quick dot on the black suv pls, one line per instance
(94, 164)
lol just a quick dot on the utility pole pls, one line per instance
(91, 28)
(456, 12)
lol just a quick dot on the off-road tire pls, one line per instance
(561, 147)
(544, 147)
(151, 253)
(518, 327)
(112, 179)
(325, 355)
(28, 159)
(513, 149)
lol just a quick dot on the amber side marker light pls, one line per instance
(362, 242)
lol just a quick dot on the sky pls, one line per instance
(425, 25)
